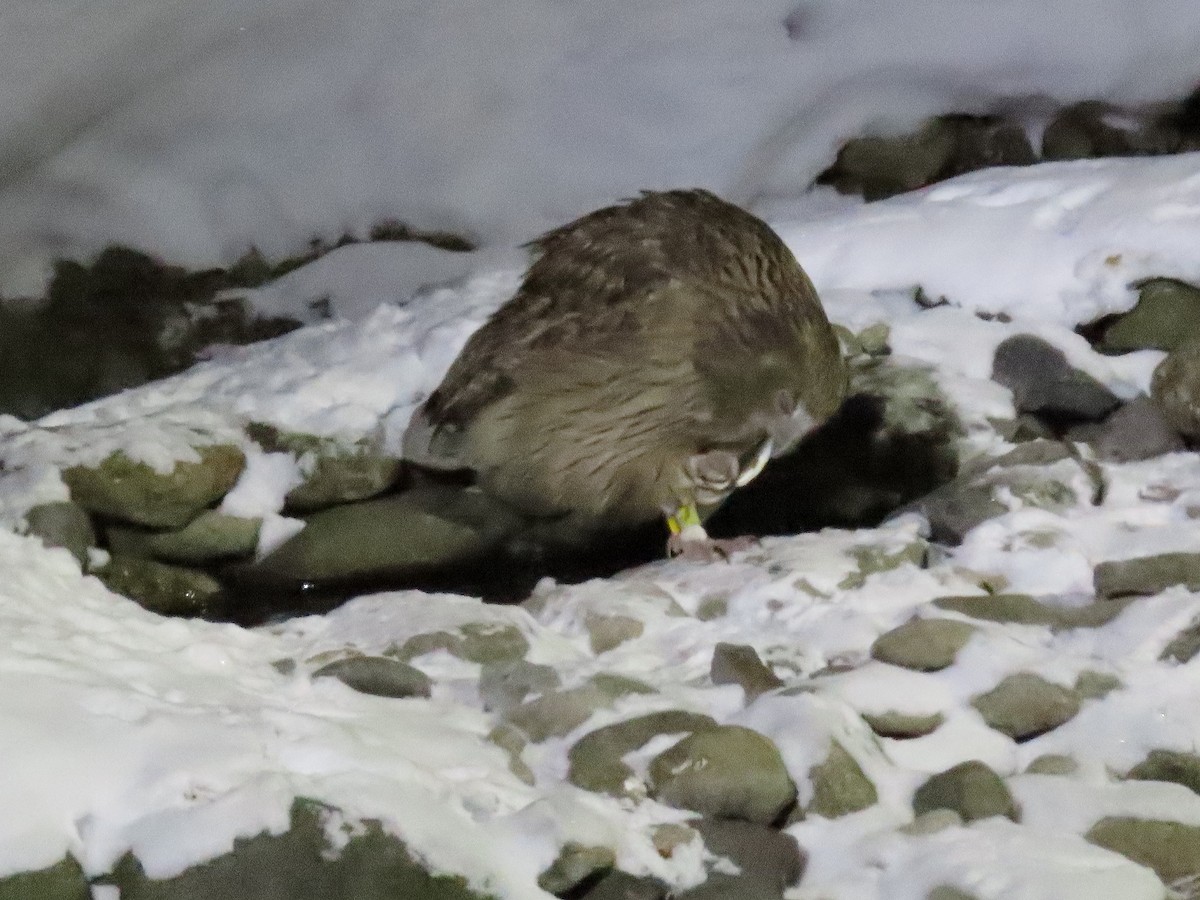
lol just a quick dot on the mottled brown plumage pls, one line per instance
(652, 350)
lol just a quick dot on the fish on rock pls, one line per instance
(656, 355)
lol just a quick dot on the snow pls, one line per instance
(268, 123)
(197, 136)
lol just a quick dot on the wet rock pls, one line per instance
(161, 588)
(504, 684)
(301, 864)
(596, 759)
(954, 509)
(378, 675)
(1053, 764)
(62, 881)
(727, 772)
(1175, 388)
(893, 724)
(1093, 129)
(1035, 452)
(1044, 383)
(1166, 317)
(1025, 427)
(1171, 849)
(63, 524)
(134, 492)
(575, 864)
(944, 146)
(477, 642)
(872, 560)
(618, 885)
(926, 645)
(609, 632)
(556, 713)
(1019, 608)
(948, 892)
(1137, 430)
(739, 664)
(1147, 575)
(419, 531)
(335, 472)
(840, 786)
(209, 537)
(970, 789)
(932, 822)
(1025, 705)
(1169, 765)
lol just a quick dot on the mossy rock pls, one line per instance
(728, 772)
(209, 537)
(301, 864)
(1175, 387)
(132, 491)
(1147, 574)
(1169, 765)
(164, 589)
(926, 645)
(970, 789)
(62, 881)
(1171, 849)
(336, 472)
(596, 762)
(840, 786)
(1025, 705)
(575, 864)
(1166, 317)
(377, 675)
(478, 642)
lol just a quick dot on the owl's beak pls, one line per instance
(757, 464)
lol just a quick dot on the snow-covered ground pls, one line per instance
(122, 730)
(194, 134)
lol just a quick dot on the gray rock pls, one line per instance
(423, 529)
(513, 742)
(894, 724)
(1053, 764)
(1166, 317)
(739, 664)
(1034, 452)
(134, 492)
(1096, 685)
(1137, 430)
(337, 472)
(840, 786)
(1020, 608)
(607, 632)
(926, 645)
(955, 508)
(970, 789)
(378, 675)
(760, 852)
(575, 864)
(62, 881)
(301, 864)
(1147, 574)
(1025, 705)
(1184, 646)
(209, 537)
(1044, 383)
(1175, 387)
(477, 642)
(618, 885)
(557, 713)
(1171, 849)
(726, 772)
(1169, 765)
(596, 758)
(63, 524)
(166, 590)
(505, 684)
(1094, 128)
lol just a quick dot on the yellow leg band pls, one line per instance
(684, 516)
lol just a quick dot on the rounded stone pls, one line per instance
(925, 645)
(378, 675)
(728, 772)
(970, 789)
(1025, 705)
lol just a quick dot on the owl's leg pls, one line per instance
(691, 542)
